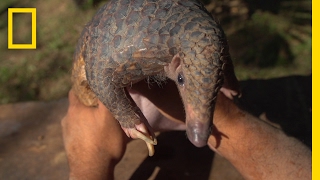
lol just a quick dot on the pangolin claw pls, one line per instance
(150, 141)
(143, 137)
(150, 149)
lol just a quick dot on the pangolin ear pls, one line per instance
(175, 63)
(173, 66)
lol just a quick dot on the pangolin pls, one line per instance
(130, 40)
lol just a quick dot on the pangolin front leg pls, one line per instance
(130, 117)
(119, 102)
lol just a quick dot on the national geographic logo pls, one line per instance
(33, 44)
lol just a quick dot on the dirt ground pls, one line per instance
(31, 143)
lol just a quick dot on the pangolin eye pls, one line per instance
(180, 79)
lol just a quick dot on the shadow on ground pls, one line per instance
(31, 143)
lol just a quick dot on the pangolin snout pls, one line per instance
(198, 124)
(198, 133)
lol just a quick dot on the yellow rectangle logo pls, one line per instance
(33, 44)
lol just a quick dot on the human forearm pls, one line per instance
(256, 149)
(93, 140)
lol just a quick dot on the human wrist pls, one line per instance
(228, 125)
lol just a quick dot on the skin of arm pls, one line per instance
(257, 149)
(93, 140)
(95, 143)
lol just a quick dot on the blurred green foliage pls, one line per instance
(44, 73)
(266, 38)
